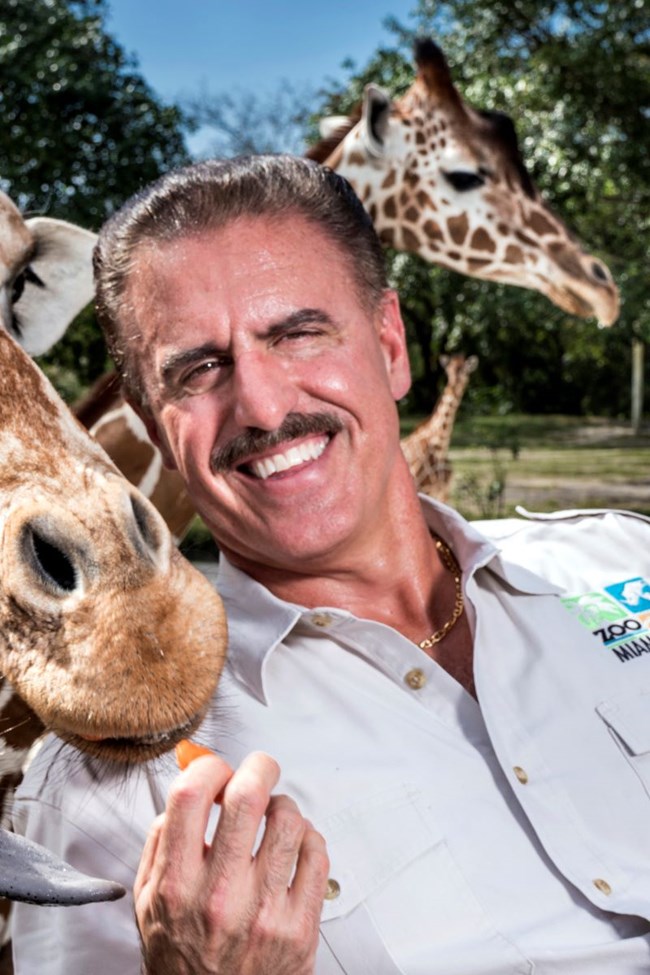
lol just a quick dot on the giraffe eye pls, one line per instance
(26, 276)
(463, 180)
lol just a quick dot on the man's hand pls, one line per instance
(219, 910)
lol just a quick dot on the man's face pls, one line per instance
(271, 387)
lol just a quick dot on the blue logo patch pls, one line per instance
(634, 594)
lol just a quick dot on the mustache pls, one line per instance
(254, 441)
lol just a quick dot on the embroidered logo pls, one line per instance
(618, 616)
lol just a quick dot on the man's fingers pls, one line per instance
(189, 803)
(276, 857)
(243, 807)
(148, 857)
(312, 871)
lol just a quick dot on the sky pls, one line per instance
(184, 46)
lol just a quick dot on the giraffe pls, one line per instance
(446, 181)
(426, 448)
(111, 639)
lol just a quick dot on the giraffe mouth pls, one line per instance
(570, 301)
(132, 749)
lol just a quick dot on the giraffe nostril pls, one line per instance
(599, 271)
(147, 527)
(51, 563)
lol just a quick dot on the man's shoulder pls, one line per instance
(573, 548)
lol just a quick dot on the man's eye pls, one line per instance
(201, 377)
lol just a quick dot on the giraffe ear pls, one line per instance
(374, 118)
(59, 283)
(328, 126)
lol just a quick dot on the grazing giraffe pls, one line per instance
(111, 639)
(446, 181)
(426, 448)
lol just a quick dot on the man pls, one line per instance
(464, 758)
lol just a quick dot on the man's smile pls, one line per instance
(294, 455)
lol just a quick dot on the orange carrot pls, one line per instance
(187, 751)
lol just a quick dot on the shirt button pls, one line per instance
(602, 886)
(521, 774)
(322, 619)
(333, 889)
(416, 678)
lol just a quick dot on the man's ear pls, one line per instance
(392, 338)
(153, 432)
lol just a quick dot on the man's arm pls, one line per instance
(231, 907)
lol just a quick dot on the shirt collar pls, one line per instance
(258, 621)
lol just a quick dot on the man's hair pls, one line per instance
(210, 195)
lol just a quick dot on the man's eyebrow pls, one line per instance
(304, 316)
(178, 360)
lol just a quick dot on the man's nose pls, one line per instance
(263, 391)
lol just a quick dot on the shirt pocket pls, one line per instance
(628, 718)
(379, 848)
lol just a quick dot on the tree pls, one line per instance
(81, 129)
(247, 122)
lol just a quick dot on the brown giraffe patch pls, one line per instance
(477, 263)
(390, 207)
(357, 159)
(481, 241)
(387, 236)
(458, 228)
(541, 224)
(424, 201)
(411, 240)
(433, 231)
(389, 180)
(514, 254)
(412, 215)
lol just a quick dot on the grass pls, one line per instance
(548, 462)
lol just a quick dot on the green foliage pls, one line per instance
(81, 131)
(575, 78)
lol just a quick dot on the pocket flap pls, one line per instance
(629, 716)
(370, 841)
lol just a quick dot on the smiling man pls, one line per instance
(459, 781)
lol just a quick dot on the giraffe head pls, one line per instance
(112, 638)
(45, 276)
(446, 181)
(458, 368)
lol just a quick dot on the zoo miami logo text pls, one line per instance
(617, 615)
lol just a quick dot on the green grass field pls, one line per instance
(548, 462)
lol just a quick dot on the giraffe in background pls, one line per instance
(426, 448)
(447, 181)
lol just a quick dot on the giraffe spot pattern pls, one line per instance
(481, 241)
(458, 228)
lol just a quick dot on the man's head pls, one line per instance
(268, 351)
(208, 195)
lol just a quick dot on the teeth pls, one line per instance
(292, 457)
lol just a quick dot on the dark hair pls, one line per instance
(211, 194)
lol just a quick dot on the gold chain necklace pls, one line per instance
(451, 563)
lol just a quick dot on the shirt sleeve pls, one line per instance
(99, 827)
